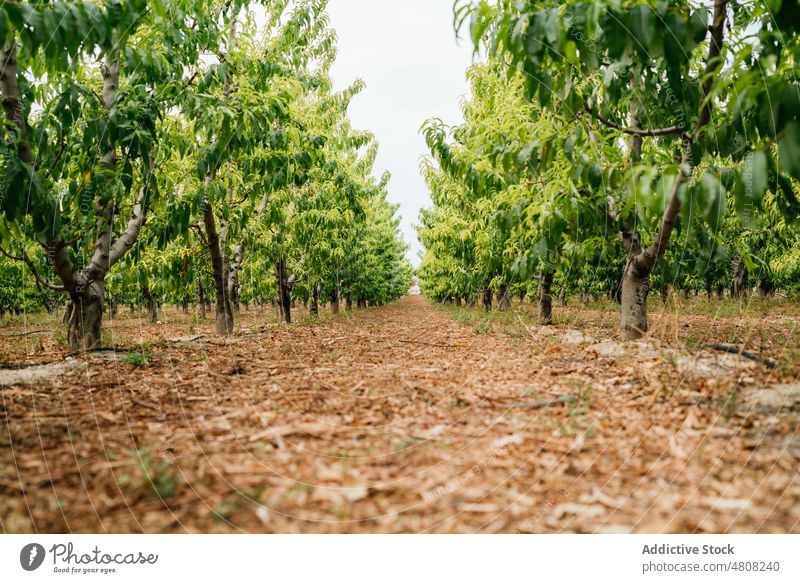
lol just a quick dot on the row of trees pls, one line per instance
(613, 146)
(179, 150)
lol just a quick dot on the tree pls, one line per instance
(692, 92)
(82, 140)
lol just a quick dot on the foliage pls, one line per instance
(156, 151)
(667, 125)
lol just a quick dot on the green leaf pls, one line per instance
(789, 150)
(755, 175)
(643, 27)
(698, 23)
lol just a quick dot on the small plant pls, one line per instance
(223, 510)
(162, 477)
(483, 328)
(137, 359)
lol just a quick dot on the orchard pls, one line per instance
(618, 148)
(163, 152)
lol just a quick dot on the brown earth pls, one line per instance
(406, 418)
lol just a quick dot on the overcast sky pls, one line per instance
(407, 54)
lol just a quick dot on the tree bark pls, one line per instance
(635, 288)
(284, 292)
(335, 301)
(233, 277)
(150, 302)
(545, 297)
(740, 278)
(223, 323)
(12, 104)
(84, 317)
(348, 303)
(315, 300)
(487, 299)
(503, 298)
(201, 299)
(764, 287)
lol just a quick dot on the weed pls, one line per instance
(162, 477)
(137, 359)
(483, 328)
(223, 510)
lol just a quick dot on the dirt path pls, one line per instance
(396, 419)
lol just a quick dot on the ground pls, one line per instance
(404, 418)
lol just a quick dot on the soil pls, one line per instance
(404, 418)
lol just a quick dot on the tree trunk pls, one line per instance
(233, 277)
(348, 303)
(636, 279)
(185, 305)
(545, 297)
(315, 300)
(335, 301)
(740, 278)
(458, 301)
(284, 292)
(84, 317)
(223, 323)
(201, 300)
(635, 287)
(150, 301)
(764, 288)
(503, 299)
(487, 299)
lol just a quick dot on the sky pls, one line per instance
(407, 54)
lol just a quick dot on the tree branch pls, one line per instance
(100, 262)
(648, 258)
(199, 228)
(241, 200)
(633, 131)
(125, 241)
(40, 281)
(12, 104)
